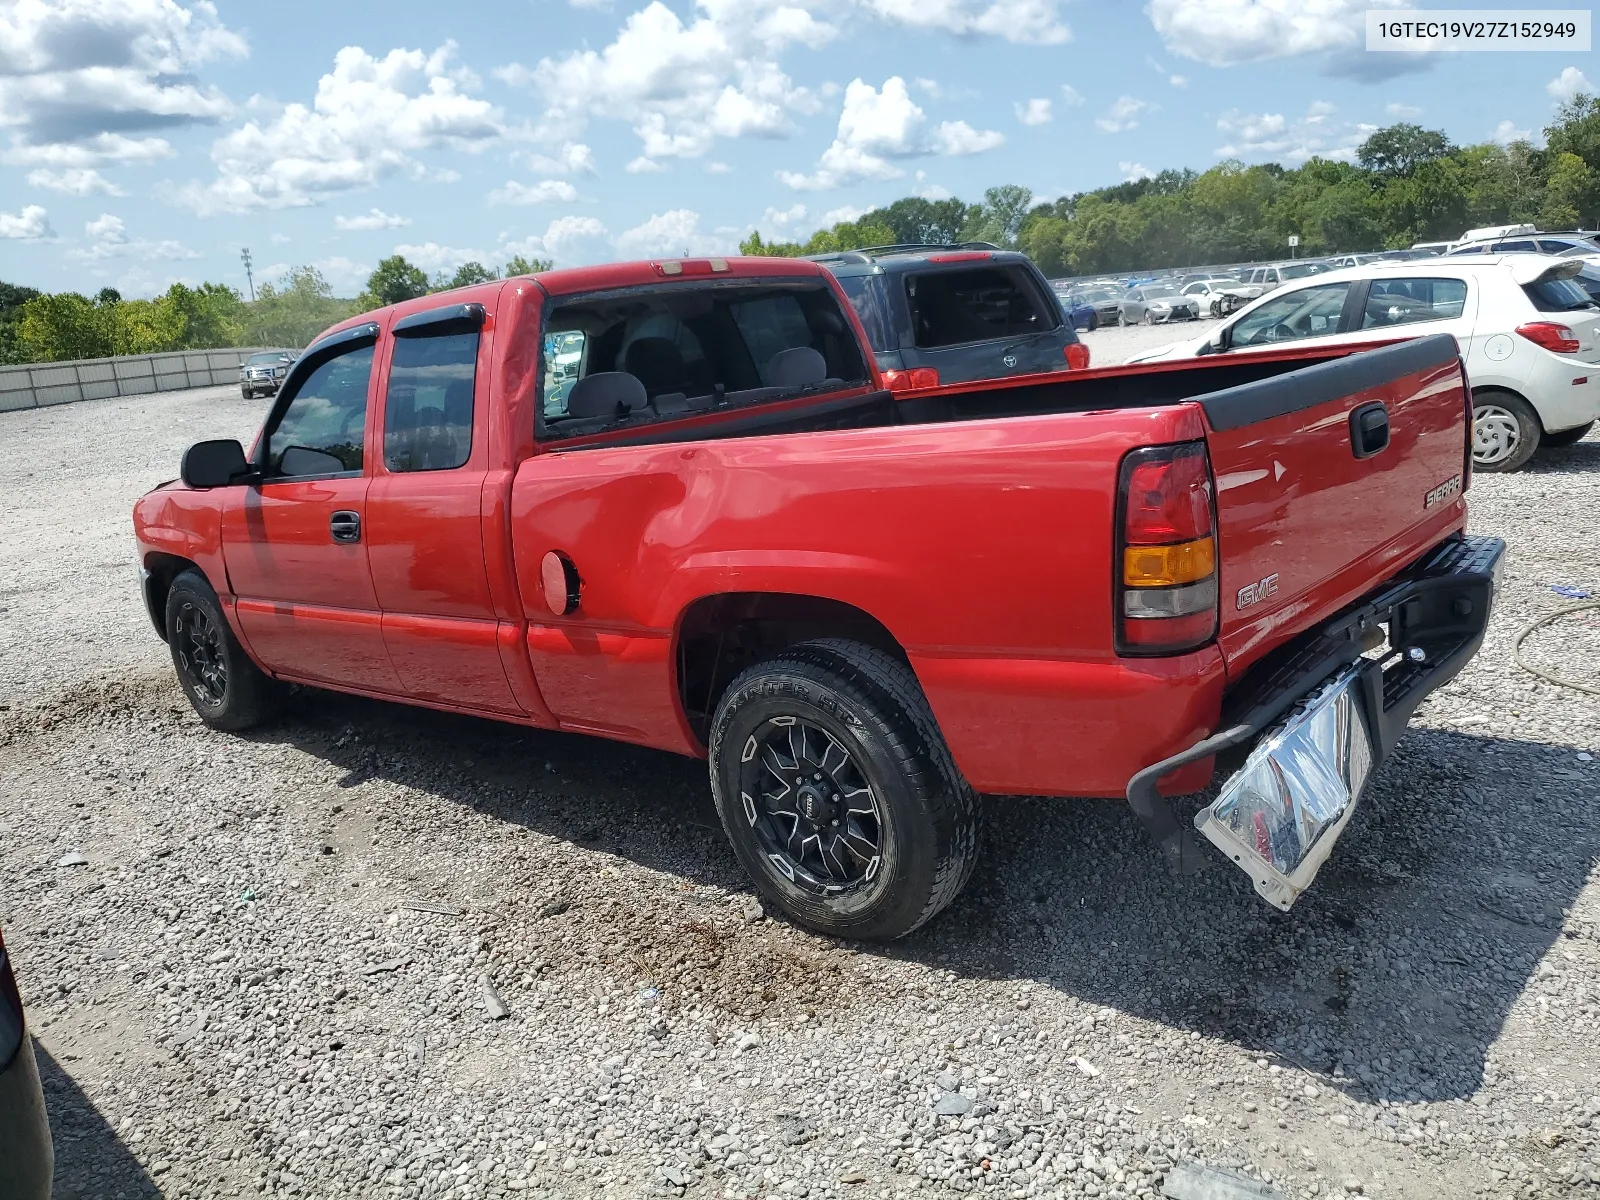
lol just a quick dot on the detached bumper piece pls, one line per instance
(1325, 712)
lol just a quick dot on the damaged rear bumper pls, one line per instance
(1323, 713)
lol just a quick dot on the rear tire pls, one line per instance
(879, 831)
(1505, 430)
(1566, 437)
(226, 689)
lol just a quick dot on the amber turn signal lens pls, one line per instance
(1168, 566)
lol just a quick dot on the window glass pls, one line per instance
(865, 293)
(1300, 270)
(563, 364)
(1557, 295)
(1302, 313)
(323, 430)
(427, 416)
(691, 348)
(1406, 301)
(972, 305)
(1509, 247)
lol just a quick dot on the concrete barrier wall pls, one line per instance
(38, 385)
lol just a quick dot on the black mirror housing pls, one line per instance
(219, 463)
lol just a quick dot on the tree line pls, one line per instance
(1407, 185)
(55, 327)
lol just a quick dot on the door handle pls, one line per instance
(1369, 429)
(345, 526)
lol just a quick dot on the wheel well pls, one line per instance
(719, 636)
(163, 569)
(1509, 392)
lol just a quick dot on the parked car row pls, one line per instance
(1528, 326)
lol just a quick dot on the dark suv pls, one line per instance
(953, 314)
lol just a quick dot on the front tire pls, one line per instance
(838, 793)
(226, 689)
(1566, 437)
(1505, 431)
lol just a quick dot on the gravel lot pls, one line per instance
(373, 951)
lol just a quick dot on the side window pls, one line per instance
(1302, 313)
(1406, 301)
(427, 415)
(865, 293)
(563, 365)
(323, 430)
(1508, 247)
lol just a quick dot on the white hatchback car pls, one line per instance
(1530, 337)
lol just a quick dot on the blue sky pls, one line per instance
(143, 141)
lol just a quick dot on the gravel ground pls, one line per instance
(376, 951)
(1113, 344)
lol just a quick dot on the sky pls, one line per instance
(149, 141)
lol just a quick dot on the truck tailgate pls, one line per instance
(1310, 513)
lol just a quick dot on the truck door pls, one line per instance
(424, 509)
(295, 544)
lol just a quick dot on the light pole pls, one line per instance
(245, 255)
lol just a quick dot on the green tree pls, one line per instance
(754, 246)
(999, 218)
(107, 295)
(394, 280)
(1576, 130)
(466, 275)
(527, 266)
(1571, 194)
(1401, 149)
(63, 326)
(294, 310)
(12, 298)
(917, 221)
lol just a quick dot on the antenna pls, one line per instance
(245, 256)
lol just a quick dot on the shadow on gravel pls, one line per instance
(1394, 973)
(1551, 460)
(90, 1159)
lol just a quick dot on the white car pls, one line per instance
(1529, 334)
(1219, 297)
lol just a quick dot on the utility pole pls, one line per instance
(245, 255)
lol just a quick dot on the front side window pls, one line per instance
(1302, 313)
(1407, 301)
(323, 429)
(975, 304)
(427, 415)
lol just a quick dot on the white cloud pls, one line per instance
(1027, 22)
(546, 190)
(79, 79)
(370, 119)
(643, 166)
(1320, 133)
(75, 181)
(784, 218)
(1123, 115)
(1403, 112)
(845, 212)
(1035, 112)
(1568, 84)
(574, 158)
(718, 168)
(1507, 132)
(567, 240)
(1135, 170)
(670, 233)
(433, 257)
(1071, 95)
(682, 85)
(374, 218)
(108, 238)
(930, 191)
(877, 127)
(1178, 81)
(31, 224)
(1224, 33)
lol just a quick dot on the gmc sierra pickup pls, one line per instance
(672, 503)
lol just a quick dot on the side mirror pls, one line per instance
(1216, 343)
(218, 463)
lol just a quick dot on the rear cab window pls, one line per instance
(648, 354)
(973, 304)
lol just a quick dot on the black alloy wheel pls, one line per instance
(198, 648)
(810, 806)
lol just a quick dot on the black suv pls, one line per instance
(969, 311)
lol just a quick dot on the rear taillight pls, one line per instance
(1551, 336)
(1166, 572)
(1077, 356)
(912, 380)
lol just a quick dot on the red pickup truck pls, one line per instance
(671, 503)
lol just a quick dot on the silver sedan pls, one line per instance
(1157, 303)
